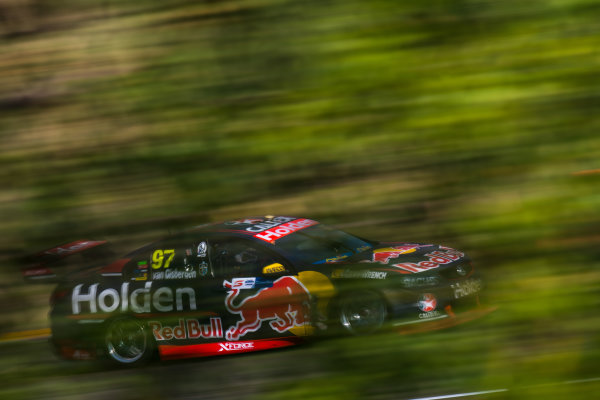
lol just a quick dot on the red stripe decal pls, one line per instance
(170, 352)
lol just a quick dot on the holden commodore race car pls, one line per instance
(254, 284)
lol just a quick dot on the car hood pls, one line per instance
(403, 258)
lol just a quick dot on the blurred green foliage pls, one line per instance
(466, 122)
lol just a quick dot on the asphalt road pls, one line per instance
(462, 362)
(31, 370)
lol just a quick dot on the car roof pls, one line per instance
(267, 228)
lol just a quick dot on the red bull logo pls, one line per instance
(284, 305)
(383, 255)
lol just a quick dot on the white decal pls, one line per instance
(264, 225)
(228, 346)
(172, 274)
(202, 249)
(284, 229)
(243, 283)
(466, 288)
(430, 314)
(139, 300)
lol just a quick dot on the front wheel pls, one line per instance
(361, 312)
(126, 342)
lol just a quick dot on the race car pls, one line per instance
(253, 284)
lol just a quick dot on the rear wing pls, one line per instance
(55, 263)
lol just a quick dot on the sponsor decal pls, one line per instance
(263, 225)
(410, 281)
(427, 302)
(249, 221)
(272, 228)
(339, 258)
(142, 271)
(72, 247)
(348, 273)
(430, 314)
(202, 249)
(243, 283)
(140, 300)
(363, 248)
(187, 329)
(383, 255)
(283, 304)
(466, 288)
(235, 346)
(273, 269)
(281, 230)
(173, 274)
(436, 259)
(203, 268)
(172, 351)
(162, 258)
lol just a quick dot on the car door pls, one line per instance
(184, 302)
(263, 297)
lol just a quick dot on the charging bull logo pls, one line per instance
(383, 255)
(284, 304)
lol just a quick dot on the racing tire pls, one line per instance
(127, 342)
(360, 313)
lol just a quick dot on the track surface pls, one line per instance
(251, 376)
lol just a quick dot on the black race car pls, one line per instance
(254, 284)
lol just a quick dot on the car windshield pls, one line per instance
(321, 244)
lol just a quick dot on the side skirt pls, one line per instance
(171, 352)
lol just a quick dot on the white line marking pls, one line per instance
(457, 395)
(452, 396)
(582, 381)
(420, 320)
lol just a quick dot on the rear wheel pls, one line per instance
(361, 312)
(126, 342)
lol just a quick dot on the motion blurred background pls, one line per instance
(471, 123)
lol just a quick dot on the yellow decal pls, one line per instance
(321, 289)
(144, 277)
(273, 268)
(336, 259)
(395, 250)
(162, 258)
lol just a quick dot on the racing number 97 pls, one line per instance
(162, 258)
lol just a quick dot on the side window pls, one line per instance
(241, 258)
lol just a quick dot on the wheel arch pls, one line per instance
(149, 352)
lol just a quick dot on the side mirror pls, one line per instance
(273, 269)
